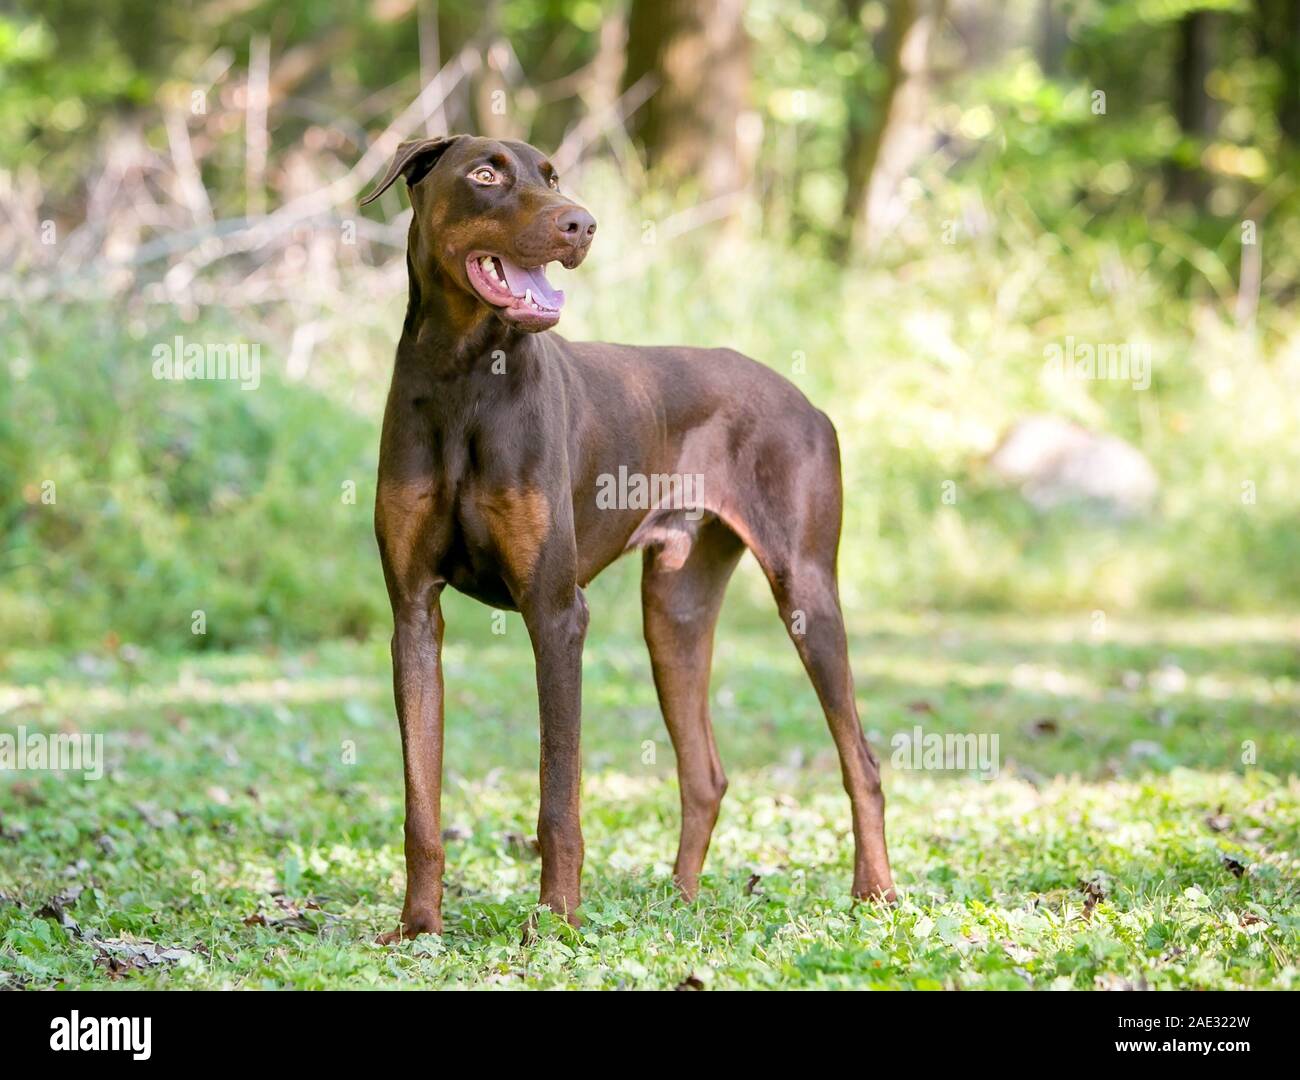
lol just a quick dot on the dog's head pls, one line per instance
(490, 213)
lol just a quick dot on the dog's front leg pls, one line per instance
(417, 683)
(557, 625)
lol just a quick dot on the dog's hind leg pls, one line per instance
(808, 599)
(796, 544)
(680, 605)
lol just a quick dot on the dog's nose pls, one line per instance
(575, 225)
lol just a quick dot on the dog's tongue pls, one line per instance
(520, 280)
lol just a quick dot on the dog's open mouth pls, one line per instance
(524, 295)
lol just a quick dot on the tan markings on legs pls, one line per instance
(518, 520)
(402, 511)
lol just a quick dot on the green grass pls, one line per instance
(229, 827)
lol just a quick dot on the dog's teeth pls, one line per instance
(528, 297)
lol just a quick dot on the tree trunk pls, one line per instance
(883, 142)
(697, 54)
(1288, 113)
(492, 105)
(1191, 101)
(866, 125)
(1277, 37)
(1053, 39)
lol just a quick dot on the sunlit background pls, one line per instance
(1037, 259)
(905, 209)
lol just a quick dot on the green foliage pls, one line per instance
(1037, 216)
(130, 504)
(231, 825)
(175, 497)
(69, 68)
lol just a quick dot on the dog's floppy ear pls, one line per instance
(413, 159)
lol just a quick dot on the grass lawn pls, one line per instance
(249, 822)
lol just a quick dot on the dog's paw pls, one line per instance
(688, 888)
(875, 894)
(411, 927)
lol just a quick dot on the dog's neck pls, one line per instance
(447, 331)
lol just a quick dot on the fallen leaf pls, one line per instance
(56, 908)
(156, 818)
(1218, 821)
(1043, 726)
(294, 917)
(1111, 981)
(1092, 894)
(119, 957)
(1018, 953)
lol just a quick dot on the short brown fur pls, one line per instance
(495, 438)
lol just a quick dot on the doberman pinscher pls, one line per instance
(515, 466)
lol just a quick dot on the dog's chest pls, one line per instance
(496, 525)
(502, 529)
(483, 479)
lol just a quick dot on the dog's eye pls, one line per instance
(484, 175)
(554, 181)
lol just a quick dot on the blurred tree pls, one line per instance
(883, 137)
(492, 95)
(1277, 36)
(697, 54)
(1204, 98)
(1053, 37)
(1192, 104)
(867, 119)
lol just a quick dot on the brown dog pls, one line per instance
(515, 466)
